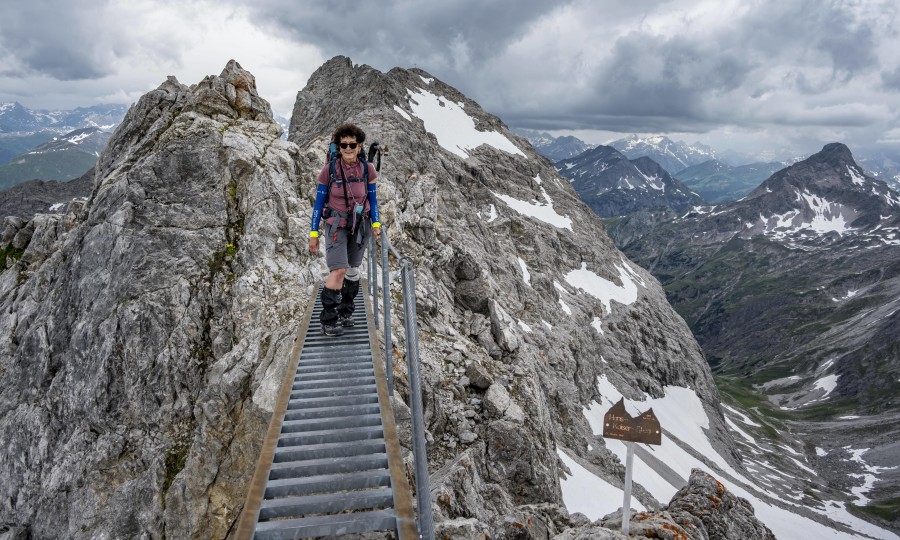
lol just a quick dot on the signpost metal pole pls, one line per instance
(626, 504)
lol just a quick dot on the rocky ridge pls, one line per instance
(145, 331)
(553, 148)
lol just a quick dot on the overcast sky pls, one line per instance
(748, 74)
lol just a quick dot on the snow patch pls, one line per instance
(539, 211)
(597, 325)
(403, 113)
(589, 494)
(526, 276)
(604, 290)
(454, 129)
(827, 383)
(855, 177)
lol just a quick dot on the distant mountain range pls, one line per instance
(52, 145)
(60, 158)
(613, 185)
(15, 118)
(720, 185)
(795, 288)
(554, 148)
(673, 156)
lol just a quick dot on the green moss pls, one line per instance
(175, 460)
(6, 253)
(887, 509)
(751, 400)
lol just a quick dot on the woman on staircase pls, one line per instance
(345, 197)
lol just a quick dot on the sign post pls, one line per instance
(644, 428)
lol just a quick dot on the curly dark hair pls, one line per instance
(348, 130)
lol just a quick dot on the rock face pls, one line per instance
(612, 185)
(510, 356)
(144, 332)
(724, 515)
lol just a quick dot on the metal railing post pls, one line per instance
(386, 296)
(423, 488)
(373, 276)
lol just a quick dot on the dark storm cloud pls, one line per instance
(807, 29)
(56, 39)
(446, 38)
(657, 77)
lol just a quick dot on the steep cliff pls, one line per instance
(143, 333)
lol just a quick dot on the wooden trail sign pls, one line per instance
(644, 428)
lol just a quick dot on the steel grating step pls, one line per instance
(314, 467)
(322, 424)
(330, 525)
(332, 435)
(329, 503)
(354, 370)
(332, 412)
(329, 401)
(327, 483)
(331, 383)
(334, 392)
(329, 450)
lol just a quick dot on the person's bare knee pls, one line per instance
(336, 279)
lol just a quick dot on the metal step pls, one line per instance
(330, 525)
(313, 467)
(332, 412)
(326, 503)
(329, 450)
(327, 483)
(330, 401)
(332, 435)
(322, 424)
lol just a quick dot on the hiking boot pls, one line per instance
(346, 320)
(333, 329)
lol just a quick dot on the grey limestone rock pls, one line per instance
(144, 333)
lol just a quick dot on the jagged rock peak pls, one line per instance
(226, 98)
(143, 372)
(835, 153)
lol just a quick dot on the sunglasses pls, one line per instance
(350, 145)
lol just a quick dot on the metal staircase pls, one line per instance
(331, 463)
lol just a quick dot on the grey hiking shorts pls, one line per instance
(343, 253)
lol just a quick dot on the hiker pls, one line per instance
(345, 197)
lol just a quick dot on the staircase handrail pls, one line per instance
(424, 517)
